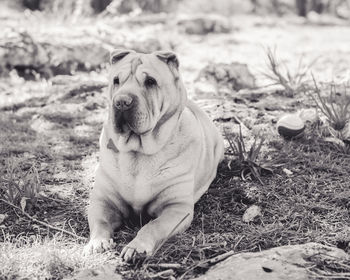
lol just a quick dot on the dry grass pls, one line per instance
(279, 74)
(311, 205)
(31, 257)
(335, 106)
(246, 162)
(17, 187)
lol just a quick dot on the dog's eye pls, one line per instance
(150, 82)
(116, 81)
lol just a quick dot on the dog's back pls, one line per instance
(212, 150)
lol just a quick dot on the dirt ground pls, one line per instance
(49, 142)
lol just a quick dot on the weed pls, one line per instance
(291, 82)
(248, 160)
(335, 108)
(19, 187)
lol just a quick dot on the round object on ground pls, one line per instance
(290, 126)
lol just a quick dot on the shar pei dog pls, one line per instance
(159, 153)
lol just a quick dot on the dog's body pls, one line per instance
(158, 153)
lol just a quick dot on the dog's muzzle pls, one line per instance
(125, 108)
(123, 102)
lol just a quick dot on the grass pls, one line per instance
(311, 205)
(19, 188)
(42, 258)
(247, 161)
(336, 108)
(279, 74)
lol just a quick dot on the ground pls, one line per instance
(49, 148)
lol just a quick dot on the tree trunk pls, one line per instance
(301, 7)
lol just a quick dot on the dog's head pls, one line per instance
(145, 91)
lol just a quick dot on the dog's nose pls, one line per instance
(123, 102)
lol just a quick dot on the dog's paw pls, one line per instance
(136, 246)
(98, 246)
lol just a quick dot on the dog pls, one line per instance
(159, 153)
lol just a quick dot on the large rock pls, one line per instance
(286, 262)
(205, 24)
(101, 273)
(21, 51)
(227, 77)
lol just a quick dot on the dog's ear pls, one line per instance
(168, 57)
(119, 54)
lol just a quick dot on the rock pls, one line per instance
(205, 24)
(287, 172)
(227, 77)
(101, 273)
(251, 214)
(286, 262)
(23, 52)
(3, 217)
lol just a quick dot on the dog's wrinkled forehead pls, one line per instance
(159, 63)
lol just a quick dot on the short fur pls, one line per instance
(157, 157)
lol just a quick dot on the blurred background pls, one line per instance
(50, 37)
(339, 8)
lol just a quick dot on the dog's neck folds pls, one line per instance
(148, 143)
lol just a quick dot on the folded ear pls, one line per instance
(119, 54)
(168, 57)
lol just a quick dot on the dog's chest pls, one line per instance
(138, 179)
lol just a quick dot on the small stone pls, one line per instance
(251, 213)
(2, 218)
(287, 172)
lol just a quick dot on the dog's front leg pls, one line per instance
(103, 220)
(174, 218)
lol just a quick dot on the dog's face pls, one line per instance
(144, 90)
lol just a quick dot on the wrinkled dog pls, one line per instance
(158, 153)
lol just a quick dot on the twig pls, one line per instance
(165, 265)
(319, 274)
(209, 261)
(164, 273)
(219, 258)
(237, 243)
(42, 223)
